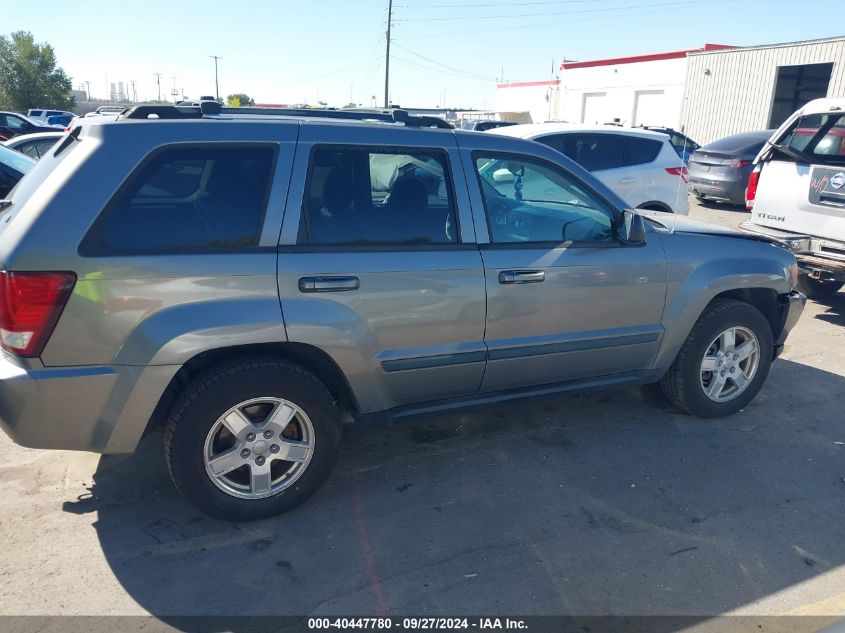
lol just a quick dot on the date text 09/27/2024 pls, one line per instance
(417, 624)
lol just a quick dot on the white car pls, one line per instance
(640, 166)
(41, 116)
(797, 192)
(34, 145)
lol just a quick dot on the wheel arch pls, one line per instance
(764, 299)
(760, 285)
(317, 361)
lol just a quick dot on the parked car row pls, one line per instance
(248, 280)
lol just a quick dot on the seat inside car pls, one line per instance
(409, 217)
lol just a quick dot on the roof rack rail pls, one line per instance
(212, 109)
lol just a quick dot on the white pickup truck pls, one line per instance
(797, 193)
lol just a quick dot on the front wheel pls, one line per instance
(816, 289)
(723, 363)
(252, 438)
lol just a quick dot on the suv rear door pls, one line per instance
(565, 298)
(802, 189)
(378, 265)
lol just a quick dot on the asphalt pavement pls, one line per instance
(606, 504)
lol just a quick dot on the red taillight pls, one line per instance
(751, 189)
(30, 305)
(738, 164)
(679, 171)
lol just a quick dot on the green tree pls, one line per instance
(29, 76)
(239, 99)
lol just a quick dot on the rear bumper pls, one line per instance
(731, 190)
(101, 409)
(792, 305)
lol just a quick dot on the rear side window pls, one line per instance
(639, 151)
(188, 199)
(34, 113)
(820, 136)
(378, 196)
(595, 152)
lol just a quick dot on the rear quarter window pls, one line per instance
(183, 199)
(639, 151)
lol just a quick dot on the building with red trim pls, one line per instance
(633, 90)
(707, 92)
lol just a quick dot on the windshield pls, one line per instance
(15, 160)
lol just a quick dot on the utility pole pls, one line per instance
(87, 90)
(216, 83)
(158, 83)
(134, 92)
(387, 55)
(174, 93)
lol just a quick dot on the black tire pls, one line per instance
(682, 383)
(815, 289)
(222, 387)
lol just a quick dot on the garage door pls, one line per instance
(650, 107)
(595, 108)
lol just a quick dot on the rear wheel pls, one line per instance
(816, 289)
(723, 363)
(252, 439)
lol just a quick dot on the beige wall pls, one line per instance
(736, 96)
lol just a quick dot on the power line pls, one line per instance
(452, 68)
(561, 22)
(495, 4)
(438, 70)
(545, 14)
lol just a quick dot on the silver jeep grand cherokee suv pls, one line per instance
(246, 280)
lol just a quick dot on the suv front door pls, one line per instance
(565, 298)
(378, 265)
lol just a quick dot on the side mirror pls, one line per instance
(632, 229)
(503, 175)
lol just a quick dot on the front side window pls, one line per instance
(367, 196)
(188, 199)
(819, 136)
(527, 201)
(555, 141)
(13, 122)
(595, 152)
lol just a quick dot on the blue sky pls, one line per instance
(331, 50)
